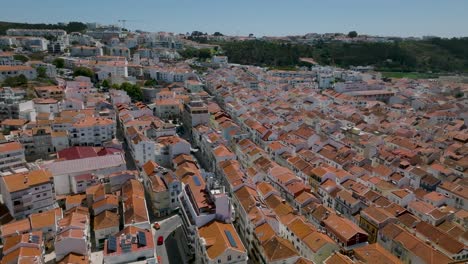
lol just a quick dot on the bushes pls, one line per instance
(133, 90)
(20, 80)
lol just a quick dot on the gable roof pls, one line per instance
(220, 237)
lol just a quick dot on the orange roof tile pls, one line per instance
(22, 181)
(218, 240)
(106, 219)
(10, 147)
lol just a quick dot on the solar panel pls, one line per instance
(35, 239)
(141, 238)
(230, 238)
(126, 247)
(112, 244)
(196, 180)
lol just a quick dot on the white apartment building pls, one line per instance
(199, 206)
(46, 105)
(194, 86)
(33, 44)
(111, 69)
(169, 75)
(11, 155)
(167, 108)
(27, 193)
(120, 51)
(119, 97)
(142, 149)
(73, 235)
(79, 88)
(92, 131)
(85, 51)
(168, 147)
(14, 71)
(195, 113)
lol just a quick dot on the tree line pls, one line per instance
(432, 55)
(70, 27)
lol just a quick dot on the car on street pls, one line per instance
(160, 240)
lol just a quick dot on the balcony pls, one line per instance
(27, 200)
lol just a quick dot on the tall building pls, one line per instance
(195, 113)
(27, 193)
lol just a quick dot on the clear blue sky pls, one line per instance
(444, 18)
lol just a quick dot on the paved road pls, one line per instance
(168, 252)
(128, 157)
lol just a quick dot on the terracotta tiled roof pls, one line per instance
(106, 219)
(73, 258)
(338, 258)
(219, 237)
(22, 181)
(278, 249)
(10, 147)
(375, 254)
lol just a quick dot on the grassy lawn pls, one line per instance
(409, 75)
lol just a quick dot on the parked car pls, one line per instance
(160, 240)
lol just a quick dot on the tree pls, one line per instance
(15, 81)
(83, 71)
(204, 53)
(133, 90)
(151, 82)
(41, 72)
(197, 33)
(105, 84)
(352, 34)
(59, 63)
(218, 34)
(21, 58)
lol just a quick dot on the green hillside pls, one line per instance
(435, 55)
(70, 27)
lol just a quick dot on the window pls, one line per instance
(229, 258)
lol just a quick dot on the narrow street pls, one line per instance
(169, 251)
(128, 157)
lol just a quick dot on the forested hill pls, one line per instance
(70, 27)
(434, 55)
